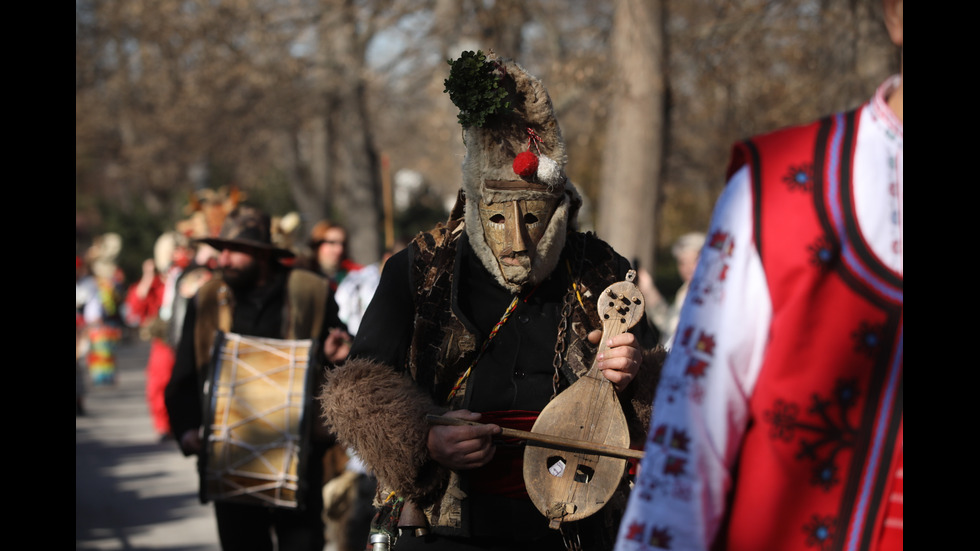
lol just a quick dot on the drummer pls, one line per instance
(487, 316)
(251, 289)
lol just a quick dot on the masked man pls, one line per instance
(487, 318)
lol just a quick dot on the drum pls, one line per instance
(256, 426)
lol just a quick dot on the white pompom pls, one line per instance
(548, 171)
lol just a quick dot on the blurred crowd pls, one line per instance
(111, 311)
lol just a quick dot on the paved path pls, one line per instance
(131, 491)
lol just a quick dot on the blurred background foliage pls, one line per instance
(319, 106)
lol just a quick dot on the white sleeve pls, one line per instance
(93, 312)
(700, 410)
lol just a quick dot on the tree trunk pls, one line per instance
(633, 157)
(354, 173)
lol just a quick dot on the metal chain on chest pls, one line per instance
(566, 312)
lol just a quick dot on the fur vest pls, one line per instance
(303, 310)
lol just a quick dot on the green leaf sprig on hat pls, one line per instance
(473, 86)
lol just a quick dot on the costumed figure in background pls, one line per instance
(490, 318)
(171, 255)
(102, 310)
(144, 298)
(85, 288)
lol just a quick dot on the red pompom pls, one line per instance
(526, 164)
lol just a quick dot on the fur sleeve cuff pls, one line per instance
(381, 415)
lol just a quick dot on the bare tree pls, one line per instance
(740, 68)
(181, 85)
(295, 101)
(633, 157)
(355, 175)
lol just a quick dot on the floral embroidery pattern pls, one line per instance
(674, 440)
(670, 474)
(715, 258)
(635, 531)
(701, 349)
(867, 338)
(827, 429)
(660, 538)
(820, 532)
(799, 177)
(823, 252)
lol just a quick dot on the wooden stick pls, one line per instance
(556, 441)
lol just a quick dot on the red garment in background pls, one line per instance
(158, 368)
(142, 310)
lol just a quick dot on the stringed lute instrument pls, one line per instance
(570, 483)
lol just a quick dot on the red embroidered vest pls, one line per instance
(824, 442)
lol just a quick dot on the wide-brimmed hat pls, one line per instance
(246, 226)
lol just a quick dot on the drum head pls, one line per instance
(256, 432)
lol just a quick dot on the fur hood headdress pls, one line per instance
(514, 150)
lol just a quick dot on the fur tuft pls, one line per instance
(388, 429)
